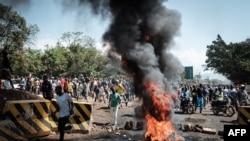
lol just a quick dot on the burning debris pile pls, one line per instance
(141, 31)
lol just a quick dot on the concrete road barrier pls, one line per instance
(29, 117)
(80, 121)
(244, 115)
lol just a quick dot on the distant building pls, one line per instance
(189, 72)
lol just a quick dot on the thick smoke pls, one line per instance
(142, 32)
(131, 21)
(148, 60)
(98, 7)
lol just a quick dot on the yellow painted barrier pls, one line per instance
(244, 115)
(80, 121)
(8, 132)
(30, 117)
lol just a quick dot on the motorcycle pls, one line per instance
(224, 106)
(187, 106)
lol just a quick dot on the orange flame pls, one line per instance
(159, 130)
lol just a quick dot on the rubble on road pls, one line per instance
(131, 125)
(197, 128)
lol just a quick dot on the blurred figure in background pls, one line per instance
(243, 96)
(46, 88)
(6, 68)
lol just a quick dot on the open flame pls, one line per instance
(158, 116)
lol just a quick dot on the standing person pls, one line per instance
(114, 100)
(46, 88)
(83, 89)
(97, 91)
(177, 92)
(199, 98)
(194, 95)
(211, 93)
(242, 96)
(28, 84)
(102, 93)
(232, 93)
(6, 68)
(65, 105)
(71, 87)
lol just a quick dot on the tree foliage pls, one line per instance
(76, 57)
(232, 60)
(14, 31)
(73, 55)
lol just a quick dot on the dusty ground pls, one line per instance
(101, 117)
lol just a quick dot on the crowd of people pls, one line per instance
(115, 92)
(202, 94)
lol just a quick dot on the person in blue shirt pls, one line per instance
(184, 95)
(65, 105)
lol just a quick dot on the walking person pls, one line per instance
(46, 88)
(102, 93)
(119, 88)
(114, 100)
(84, 90)
(6, 68)
(65, 105)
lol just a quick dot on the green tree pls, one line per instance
(14, 31)
(29, 61)
(14, 34)
(232, 60)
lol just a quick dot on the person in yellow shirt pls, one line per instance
(119, 88)
(70, 88)
(219, 94)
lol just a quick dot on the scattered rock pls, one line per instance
(129, 125)
(187, 127)
(209, 131)
(221, 133)
(139, 125)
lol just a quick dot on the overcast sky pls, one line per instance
(201, 21)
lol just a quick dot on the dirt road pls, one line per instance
(101, 132)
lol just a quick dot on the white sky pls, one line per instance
(201, 21)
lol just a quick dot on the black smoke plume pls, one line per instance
(142, 33)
